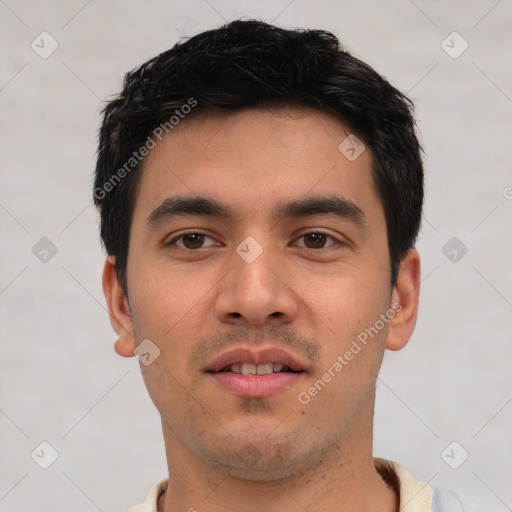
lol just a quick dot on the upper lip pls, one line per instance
(251, 355)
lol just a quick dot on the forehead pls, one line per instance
(248, 131)
(252, 158)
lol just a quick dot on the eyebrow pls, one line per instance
(179, 206)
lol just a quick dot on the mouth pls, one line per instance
(256, 374)
(258, 369)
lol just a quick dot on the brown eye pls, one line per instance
(314, 240)
(317, 240)
(193, 240)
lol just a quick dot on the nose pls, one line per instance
(256, 293)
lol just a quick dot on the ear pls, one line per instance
(119, 311)
(405, 295)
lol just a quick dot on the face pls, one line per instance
(257, 246)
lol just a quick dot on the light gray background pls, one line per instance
(61, 381)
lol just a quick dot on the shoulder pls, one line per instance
(151, 503)
(446, 499)
(416, 496)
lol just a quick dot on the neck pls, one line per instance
(344, 479)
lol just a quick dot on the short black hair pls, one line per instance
(249, 63)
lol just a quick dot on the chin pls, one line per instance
(265, 461)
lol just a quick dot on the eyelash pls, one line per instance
(337, 242)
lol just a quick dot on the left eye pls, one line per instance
(316, 240)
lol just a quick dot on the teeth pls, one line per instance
(260, 369)
(265, 369)
(236, 368)
(248, 369)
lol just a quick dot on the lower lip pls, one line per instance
(256, 386)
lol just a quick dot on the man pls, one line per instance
(260, 193)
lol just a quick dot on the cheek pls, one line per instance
(167, 305)
(348, 314)
(171, 307)
(347, 301)
(345, 384)
(169, 391)
(164, 298)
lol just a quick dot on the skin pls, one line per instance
(275, 453)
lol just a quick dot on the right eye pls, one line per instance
(191, 240)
